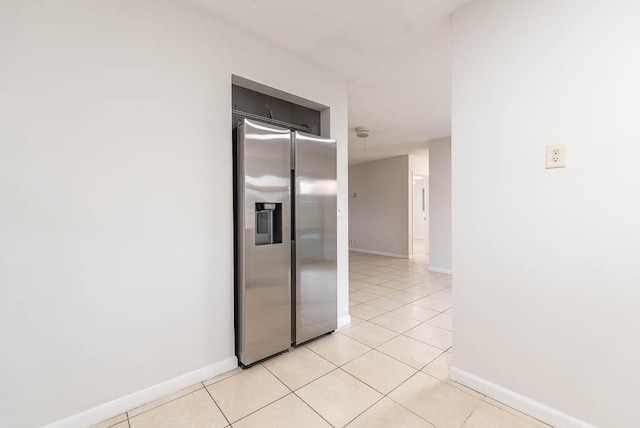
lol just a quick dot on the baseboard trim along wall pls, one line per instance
(519, 402)
(380, 253)
(440, 270)
(345, 320)
(131, 401)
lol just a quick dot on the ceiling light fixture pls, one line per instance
(363, 132)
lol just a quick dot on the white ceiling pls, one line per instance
(396, 55)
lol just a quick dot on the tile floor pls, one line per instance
(388, 368)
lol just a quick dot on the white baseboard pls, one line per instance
(345, 320)
(380, 253)
(519, 402)
(440, 270)
(131, 401)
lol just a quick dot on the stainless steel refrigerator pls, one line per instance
(285, 239)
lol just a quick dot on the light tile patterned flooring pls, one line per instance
(388, 368)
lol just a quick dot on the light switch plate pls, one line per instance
(556, 156)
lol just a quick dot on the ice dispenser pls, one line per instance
(268, 223)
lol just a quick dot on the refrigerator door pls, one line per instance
(263, 240)
(315, 247)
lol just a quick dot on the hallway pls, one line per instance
(389, 368)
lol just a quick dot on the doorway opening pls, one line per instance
(420, 214)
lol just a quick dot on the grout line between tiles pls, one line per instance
(472, 412)
(370, 386)
(402, 405)
(453, 383)
(266, 405)
(313, 380)
(518, 414)
(372, 347)
(155, 407)
(229, 377)
(314, 410)
(257, 410)
(367, 409)
(383, 395)
(387, 395)
(302, 399)
(218, 406)
(397, 334)
(338, 366)
(391, 356)
(276, 376)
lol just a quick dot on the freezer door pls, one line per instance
(315, 289)
(263, 241)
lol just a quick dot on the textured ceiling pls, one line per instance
(396, 56)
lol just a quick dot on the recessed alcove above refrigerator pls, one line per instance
(250, 104)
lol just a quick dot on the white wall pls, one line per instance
(440, 205)
(116, 196)
(379, 215)
(546, 261)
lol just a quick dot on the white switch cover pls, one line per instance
(556, 156)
